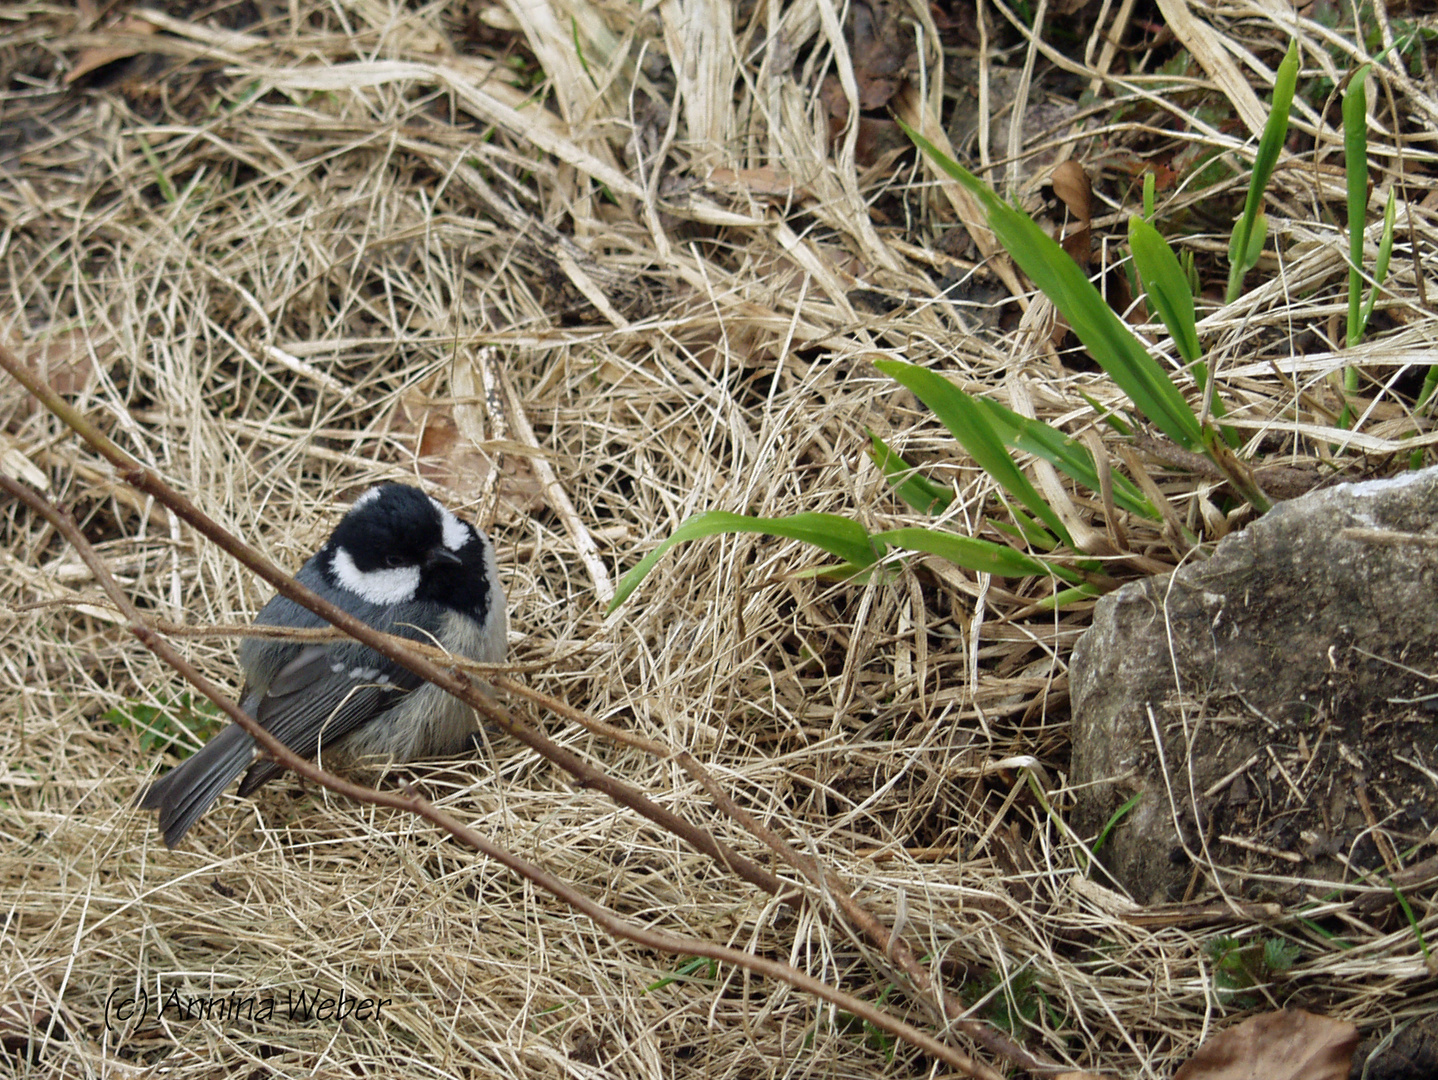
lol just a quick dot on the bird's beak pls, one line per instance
(440, 555)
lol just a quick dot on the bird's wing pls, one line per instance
(322, 695)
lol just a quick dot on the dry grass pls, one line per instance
(266, 260)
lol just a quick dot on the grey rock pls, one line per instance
(1266, 703)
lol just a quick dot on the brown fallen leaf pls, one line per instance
(764, 182)
(882, 49)
(446, 458)
(128, 28)
(1071, 184)
(1288, 1045)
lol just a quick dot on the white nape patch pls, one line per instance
(390, 586)
(456, 532)
(337, 667)
(366, 498)
(363, 674)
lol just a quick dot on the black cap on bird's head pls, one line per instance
(397, 544)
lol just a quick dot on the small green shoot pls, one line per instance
(875, 1039)
(701, 966)
(1385, 256)
(1355, 155)
(1246, 243)
(1011, 1005)
(1112, 823)
(1242, 965)
(162, 179)
(579, 52)
(1413, 923)
(175, 723)
(1355, 152)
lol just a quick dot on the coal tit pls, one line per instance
(404, 564)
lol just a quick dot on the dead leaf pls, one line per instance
(763, 182)
(24, 1027)
(446, 458)
(66, 360)
(1289, 1045)
(1071, 184)
(90, 59)
(882, 52)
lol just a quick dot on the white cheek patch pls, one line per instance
(456, 532)
(364, 500)
(391, 586)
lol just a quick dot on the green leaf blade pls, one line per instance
(978, 556)
(968, 423)
(1166, 285)
(1355, 156)
(1067, 455)
(917, 491)
(1242, 251)
(1058, 277)
(840, 537)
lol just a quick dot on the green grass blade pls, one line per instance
(1066, 454)
(162, 178)
(1166, 285)
(980, 556)
(1026, 530)
(1355, 161)
(971, 426)
(1072, 595)
(1242, 255)
(837, 535)
(1114, 818)
(1111, 343)
(918, 491)
(1385, 256)
(1107, 415)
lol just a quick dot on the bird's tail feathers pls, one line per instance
(186, 791)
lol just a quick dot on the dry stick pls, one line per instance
(654, 939)
(840, 891)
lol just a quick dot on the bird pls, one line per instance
(403, 563)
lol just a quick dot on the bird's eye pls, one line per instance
(394, 561)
